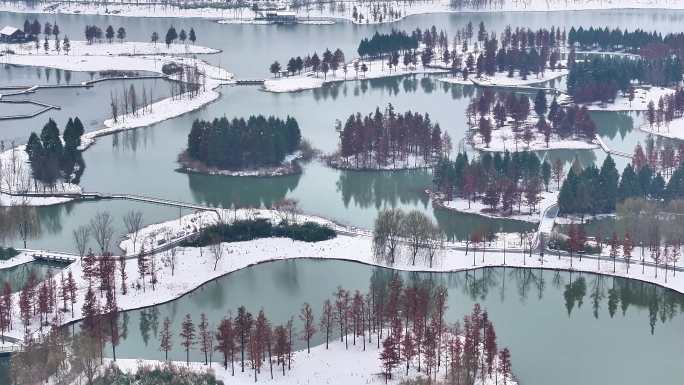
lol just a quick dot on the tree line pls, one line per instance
(648, 44)
(600, 79)
(238, 143)
(330, 61)
(666, 110)
(501, 182)
(593, 191)
(552, 120)
(53, 156)
(385, 137)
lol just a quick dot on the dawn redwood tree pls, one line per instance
(281, 347)
(243, 325)
(165, 338)
(205, 337)
(226, 344)
(309, 327)
(389, 357)
(327, 319)
(505, 363)
(187, 336)
(627, 247)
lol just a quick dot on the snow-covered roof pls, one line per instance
(8, 30)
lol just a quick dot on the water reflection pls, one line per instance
(384, 188)
(17, 276)
(240, 191)
(533, 309)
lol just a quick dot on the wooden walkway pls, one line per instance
(44, 108)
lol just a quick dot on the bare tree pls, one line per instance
(415, 228)
(434, 243)
(102, 230)
(81, 236)
(133, 221)
(288, 209)
(387, 233)
(216, 250)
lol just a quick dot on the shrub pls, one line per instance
(249, 229)
(7, 253)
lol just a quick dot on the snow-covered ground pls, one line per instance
(16, 178)
(673, 129)
(376, 69)
(116, 48)
(289, 166)
(203, 9)
(336, 365)
(17, 260)
(642, 96)
(476, 207)
(503, 139)
(195, 266)
(410, 162)
(501, 79)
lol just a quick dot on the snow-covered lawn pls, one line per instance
(504, 139)
(376, 69)
(289, 166)
(83, 48)
(336, 365)
(642, 96)
(501, 79)
(17, 260)
(476, 207)
(673, 129)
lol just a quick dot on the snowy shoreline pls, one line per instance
(117, 57)
(194, 267)
(246, 15)
(476, 207)
(290, 166)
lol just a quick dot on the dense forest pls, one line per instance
(593, 191)
(602, 78)
(239, 144)
(502, 182)
(54, 157)
(386, 138)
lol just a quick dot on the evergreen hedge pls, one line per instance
(250, 229)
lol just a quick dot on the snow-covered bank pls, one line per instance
(476, 207)
(193, 267)
(17, 260)
(501, 79)
(376, 69)
(642, 97)
(83, 48)
(504, 139)
(336, 365)
(289, 166)
(410, 162)
(672, 130)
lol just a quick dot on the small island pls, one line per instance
(387, 140)
(258, 146)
